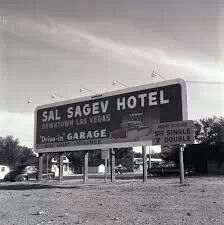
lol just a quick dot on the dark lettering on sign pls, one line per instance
(173, 133)
(159, 133)
(178, 131)
(175, 139)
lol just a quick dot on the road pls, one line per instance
(155, 202)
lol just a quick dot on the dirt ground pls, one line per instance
(157, 201)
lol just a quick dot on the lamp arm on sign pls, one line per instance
(155, 74)
(56, 95)
(86, 89)
(115, 82)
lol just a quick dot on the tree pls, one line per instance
(77, 160)
(125, 157)
(170, 154)
(95, 158)
(12, 154)
(209, 130)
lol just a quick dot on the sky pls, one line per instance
(57, 47)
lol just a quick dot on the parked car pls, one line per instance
(169, 170)
(25, 173)
(120, 169)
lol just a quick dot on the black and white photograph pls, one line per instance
(112, 112)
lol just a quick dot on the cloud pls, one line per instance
(142, 57)
(69, 36)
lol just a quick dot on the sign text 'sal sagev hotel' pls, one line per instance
(122, 118)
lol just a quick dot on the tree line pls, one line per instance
(13, 154)
(209, 131)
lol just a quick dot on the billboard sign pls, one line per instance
(122, 118)
(173, 133)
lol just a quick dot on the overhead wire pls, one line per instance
(154, 74)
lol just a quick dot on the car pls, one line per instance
(25, 173)
(169, 170)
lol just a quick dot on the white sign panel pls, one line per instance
(173, 133)
(105, 154)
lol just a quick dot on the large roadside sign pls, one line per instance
(122, 118)
(173, 133)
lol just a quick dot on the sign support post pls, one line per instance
(112, 165)
(108, 163)
(150, 163)
(61, 165)
(105, 173)
(47, 159)
(181, 159)
(105, 155)
(85, 172)
(40, 166)
(144, 163)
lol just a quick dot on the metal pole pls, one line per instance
(181, 159)
(40, 166)
(85, 172)
(61, 166)
(105, 173)
(112, 165)
(150, 163)
(47, 158)
(144, 157)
